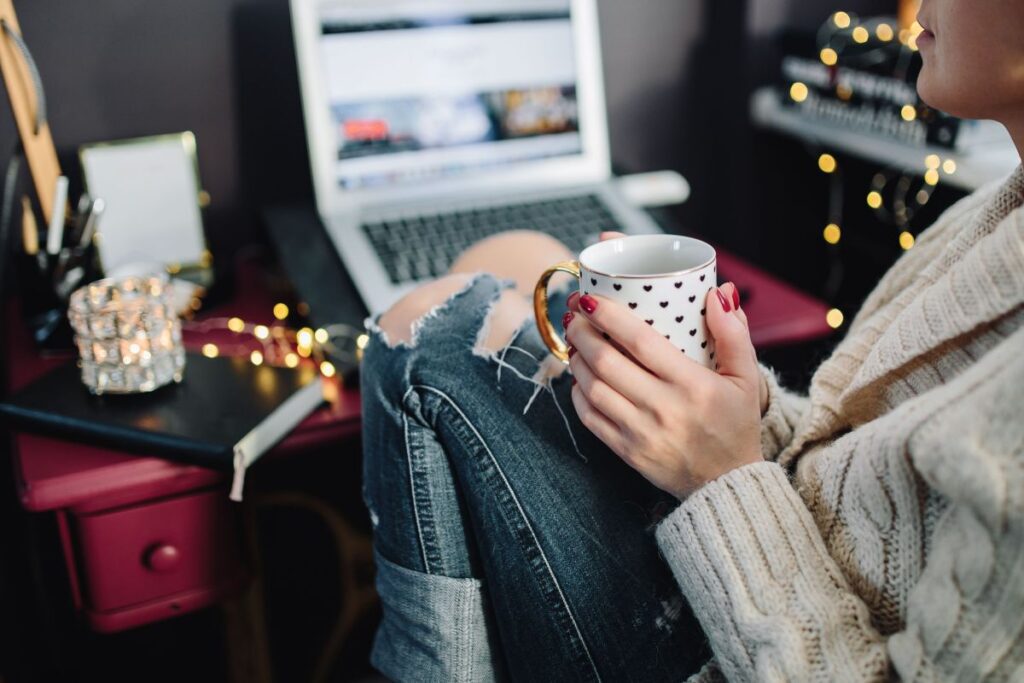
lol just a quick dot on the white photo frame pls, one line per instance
(153, 200)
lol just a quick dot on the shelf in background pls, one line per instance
(985, 164)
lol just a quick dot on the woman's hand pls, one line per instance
(763, 387)
(676, 422)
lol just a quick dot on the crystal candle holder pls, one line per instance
(128, 335)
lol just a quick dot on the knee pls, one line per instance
(518, 255)
(505, 317)
(398, 322)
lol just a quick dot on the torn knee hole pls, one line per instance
(400, 323)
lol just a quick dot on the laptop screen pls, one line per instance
(432, 90)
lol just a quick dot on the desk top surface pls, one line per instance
(53, 474)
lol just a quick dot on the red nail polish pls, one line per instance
(572, 351)
(571, 301)
(574, 381)
(736, 297)
(588, 303)
(722, 300)
(566, 319)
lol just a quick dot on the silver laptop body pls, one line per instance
(432, 123)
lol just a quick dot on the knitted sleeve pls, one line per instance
(780, 419)
(776, 606)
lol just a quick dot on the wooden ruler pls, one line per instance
(38, 144)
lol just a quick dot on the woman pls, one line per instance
(872, 530)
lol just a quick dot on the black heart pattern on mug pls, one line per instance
(653, 292)
(593, 281)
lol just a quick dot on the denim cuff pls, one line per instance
(435, 628)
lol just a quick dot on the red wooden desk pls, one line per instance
(145, 538)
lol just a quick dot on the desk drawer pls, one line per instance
(144, 553)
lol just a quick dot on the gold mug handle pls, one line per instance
(540, 308)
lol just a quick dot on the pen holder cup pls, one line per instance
(44, 283)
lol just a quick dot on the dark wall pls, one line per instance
(677, 73)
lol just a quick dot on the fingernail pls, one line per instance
(736, 297)
(572, 351)
(722, 300)
(574, 381)
(571, 301)
(566, 319)
(588, 303)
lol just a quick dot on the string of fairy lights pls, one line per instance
(895, 196)
(278, 344)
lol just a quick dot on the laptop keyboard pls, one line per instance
(424, 246)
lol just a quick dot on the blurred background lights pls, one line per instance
(832, 233)
(841, 19)
(280, 311)
(908, 112)
(827, 163)
(327, 369)
(884, 32)
(798, 91)
(860, 35)
(829, 57)
(210, 350)
(321, 336)
(906, 240)
(949, 166)
(261, 331)
(874, 199)
(931, 176)
(256, 357)
(834, 318)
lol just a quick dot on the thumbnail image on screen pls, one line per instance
(438, 122)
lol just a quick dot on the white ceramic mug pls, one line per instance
(663, 279)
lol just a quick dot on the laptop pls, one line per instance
(432, 124)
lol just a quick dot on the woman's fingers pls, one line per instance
(638, 339)
(614, 368)
(611, 235)
(599, 424)
(734, 350)
(609, 402)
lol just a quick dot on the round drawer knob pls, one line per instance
(163, 558)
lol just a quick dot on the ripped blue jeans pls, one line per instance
(510, 542)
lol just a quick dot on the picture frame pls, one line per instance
(153, 197)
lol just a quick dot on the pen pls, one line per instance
(95, 211)
(55, 234)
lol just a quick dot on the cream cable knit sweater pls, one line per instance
(883, 537)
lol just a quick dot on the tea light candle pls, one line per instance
(128, 334)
